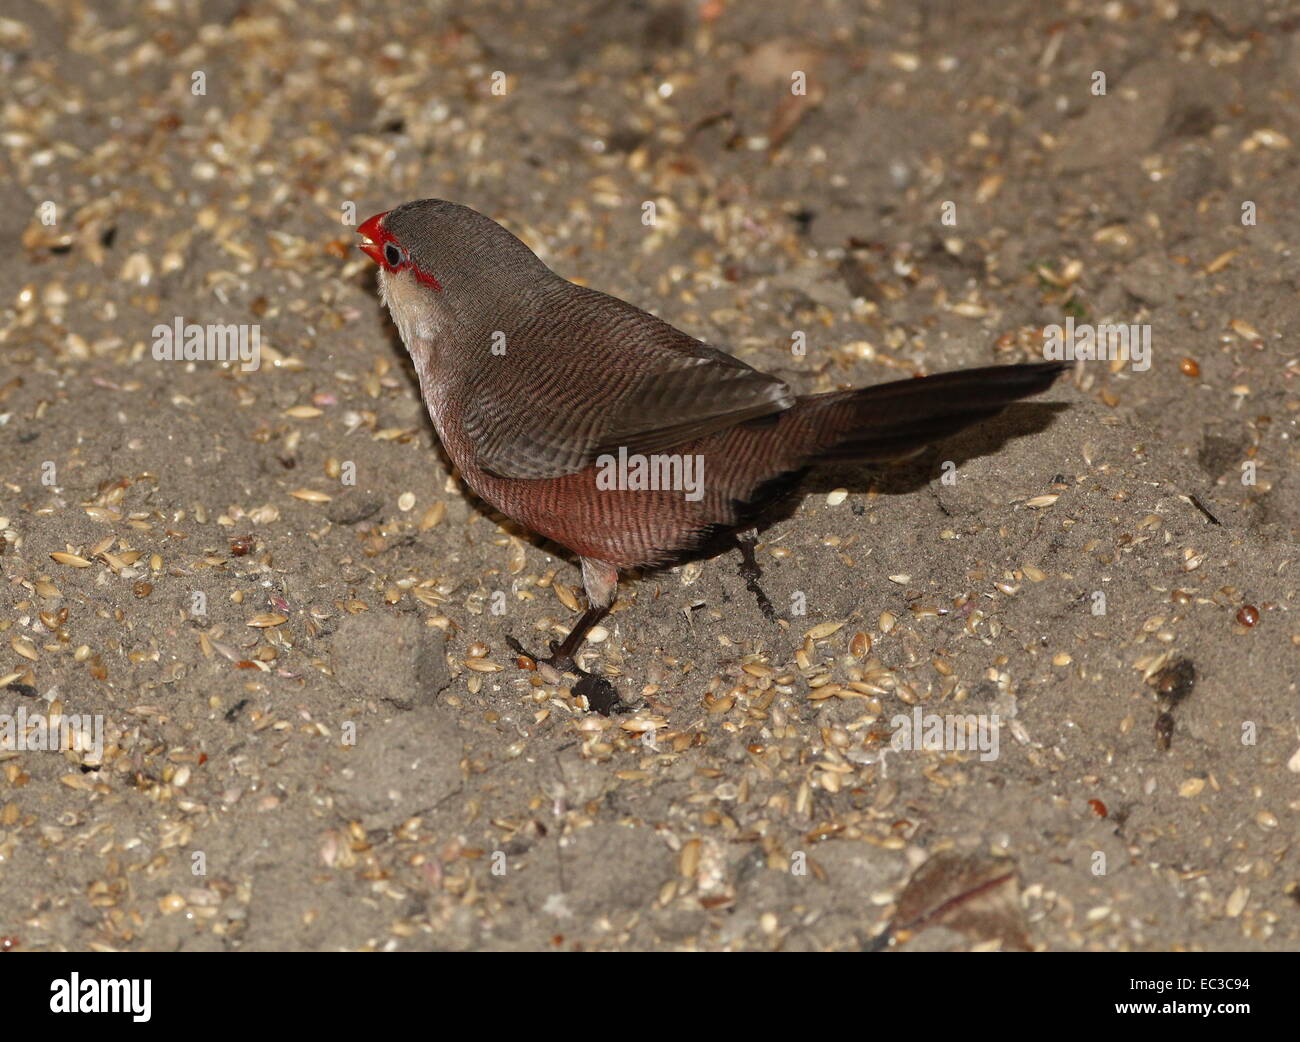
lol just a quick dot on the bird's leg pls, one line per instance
(601, 582)
(562, 653)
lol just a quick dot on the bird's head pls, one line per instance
(440, 261)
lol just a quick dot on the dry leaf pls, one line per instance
(976, 894)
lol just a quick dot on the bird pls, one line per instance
(607, 430)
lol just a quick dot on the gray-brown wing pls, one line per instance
(627, 380)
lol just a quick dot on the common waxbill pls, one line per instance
(538, 388)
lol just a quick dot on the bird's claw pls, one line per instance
(600, 694)
(559, 662)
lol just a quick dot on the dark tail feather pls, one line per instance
(895, 420)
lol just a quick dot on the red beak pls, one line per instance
(374, 237)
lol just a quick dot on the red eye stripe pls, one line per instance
(379, 237)
(425, 277)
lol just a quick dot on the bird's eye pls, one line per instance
(394, 255)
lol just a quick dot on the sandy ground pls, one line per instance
(291, 619)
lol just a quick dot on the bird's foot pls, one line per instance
(602, 697)
(559, 660)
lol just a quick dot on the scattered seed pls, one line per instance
(566, 596)
(266, 620)
(72, 560)
(1244, 330)
(1221, 261)
(639, 724)
(433, 516)
(482, 665)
